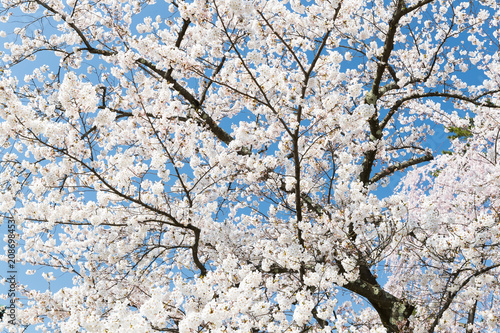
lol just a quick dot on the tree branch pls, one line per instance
(400, 166)
(452, 295)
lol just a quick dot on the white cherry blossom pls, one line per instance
(232, 166)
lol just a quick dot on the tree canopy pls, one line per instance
(221, 165)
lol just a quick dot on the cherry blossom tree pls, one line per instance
(222, 165)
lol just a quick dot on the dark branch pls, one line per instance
(400, 166)
(452, 295)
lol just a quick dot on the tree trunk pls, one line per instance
(393, 312)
